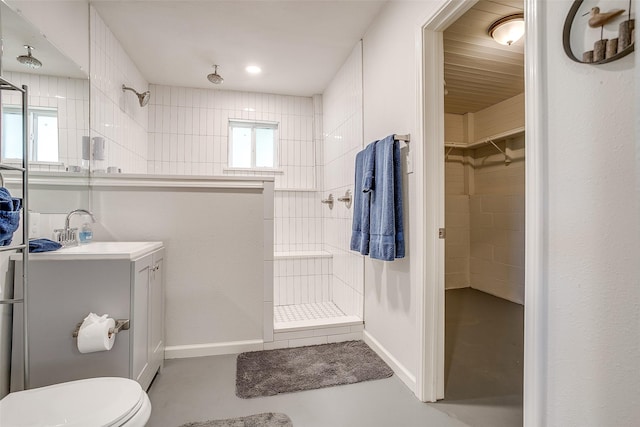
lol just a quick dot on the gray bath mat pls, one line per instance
(271, 372)
(268, 419)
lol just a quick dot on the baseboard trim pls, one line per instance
(398, 368)
(211, 349)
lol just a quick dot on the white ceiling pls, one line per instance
(478, 71)
(299, 45)
(16, 32)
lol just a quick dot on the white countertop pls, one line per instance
(96, 250)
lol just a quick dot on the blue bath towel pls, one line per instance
(386, 227)
(364, 184)
(43, 245)
(9, 216)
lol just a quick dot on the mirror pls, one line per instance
(58, 99)
(118, 121)
(58, 107)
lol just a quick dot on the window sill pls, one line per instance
(260, 170)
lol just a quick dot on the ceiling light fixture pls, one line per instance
(253, 69)
(507, 30)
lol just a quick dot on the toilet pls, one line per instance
(93, 402)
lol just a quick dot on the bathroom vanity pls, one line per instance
(121, 279)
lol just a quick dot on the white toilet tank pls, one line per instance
(94, 402)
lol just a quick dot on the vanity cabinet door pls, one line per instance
(141, 291)
(148, 317)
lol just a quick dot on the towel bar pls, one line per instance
(406, 138)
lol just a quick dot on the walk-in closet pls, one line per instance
(484, 213)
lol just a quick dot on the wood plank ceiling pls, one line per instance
(478, 71)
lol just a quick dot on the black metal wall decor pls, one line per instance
(604, 50)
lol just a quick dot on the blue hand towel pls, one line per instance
(9, 222)
(9, 216)
(386, 227)
(8, 203)
(43, 245)
(364, 183)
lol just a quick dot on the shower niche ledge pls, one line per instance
(301, 254)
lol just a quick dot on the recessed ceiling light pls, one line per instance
(253, 69)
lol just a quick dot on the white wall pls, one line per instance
(342, 128)
(390, 105)
(218, 240)
(116, 115)
(457, 218)
(592, 238)
(497, 205)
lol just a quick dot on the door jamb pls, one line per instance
(535, 307)
(430, 275)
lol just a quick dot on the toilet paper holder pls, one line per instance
(121, 325)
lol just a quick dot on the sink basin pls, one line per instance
(98, 250)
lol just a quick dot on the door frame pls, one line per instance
(430, 375)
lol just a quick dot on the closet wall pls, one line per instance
(484, 196)
(457, 243)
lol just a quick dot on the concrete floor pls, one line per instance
(484, 350)
(203, 388)
(484, 347)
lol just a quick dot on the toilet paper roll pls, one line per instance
(94, 334)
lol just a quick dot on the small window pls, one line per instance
(252, 145)
(43, 137)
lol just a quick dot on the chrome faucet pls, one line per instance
(77, 211)
(68, 236)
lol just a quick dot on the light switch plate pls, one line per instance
(409, 163)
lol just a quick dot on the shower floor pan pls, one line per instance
(300, 317)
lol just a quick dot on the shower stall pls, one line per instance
(318, 281)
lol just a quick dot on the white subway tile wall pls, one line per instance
(343, 138)
(298, 221)
(70, 97)
(116, 115)
(188, 131)
(301, 280)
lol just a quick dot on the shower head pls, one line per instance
(143, 98)
(214, 77)
(29, 60)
